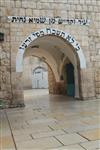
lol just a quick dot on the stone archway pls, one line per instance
(48, 59)
(75, 50)
(49, 31)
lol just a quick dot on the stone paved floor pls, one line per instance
(51, 122)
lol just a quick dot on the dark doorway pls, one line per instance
(70, 80)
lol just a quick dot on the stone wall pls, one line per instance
(87, 36)
(55, 87)
(97, 83)
(27, 73)
(51, 81)
(5, 68)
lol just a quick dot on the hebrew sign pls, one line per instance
(50, 31)
(47, 20)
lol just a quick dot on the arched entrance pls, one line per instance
(70, 79)
(40, 78)
(54, 46)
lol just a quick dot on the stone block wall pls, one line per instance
(5, 67)
(87, 84)
(51, 81)
(87, 36)
(97, 83)
(55, 87)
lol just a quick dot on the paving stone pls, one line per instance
(71, 147)
(66, 125)
(31, 129)
(22, 137)
(92, 121)
(6, 142)
(68, 139)
(48, 134)
(88, 113)
(79, 128)
(91, 145)
(91, 134)
(42, 121)
(57, 122)
(42, 143)
(58, 126)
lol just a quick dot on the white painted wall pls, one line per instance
(40, 79)
(30, 64)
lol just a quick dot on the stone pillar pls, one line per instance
(97, 83)
(51, 81)
(17, 90)
(11, 92)
(55, 87)
(27, 71)
(77, 80)
(5, 72)
(87, 84)
(60, 88)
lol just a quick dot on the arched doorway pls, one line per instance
(54, 46)
(40, 78)
(68, 76)
(70, 79)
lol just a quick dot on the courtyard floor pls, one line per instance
(51, 122)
